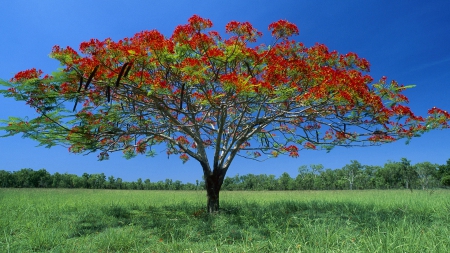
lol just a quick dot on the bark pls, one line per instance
(212, 192)
(213, 183)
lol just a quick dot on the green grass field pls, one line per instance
(55, 220)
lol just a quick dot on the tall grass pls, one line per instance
(51, 220)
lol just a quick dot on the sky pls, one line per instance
(407, 41)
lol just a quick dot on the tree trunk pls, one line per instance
(213, 200)
(213, 183)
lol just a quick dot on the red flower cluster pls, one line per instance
(437, 111)
(199, 23)
(309, 145)
(381, 138)
(182, 140)
(26, 75)
(92, 46)
(145, 40)
(141, 147)
(283, 29)
(184, 157)
(402, 110)
(293, 151)
(243, 30)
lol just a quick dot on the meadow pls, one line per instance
(80, 220)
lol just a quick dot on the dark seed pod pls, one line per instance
(81, 84)
(181, 97)
(90, 77)
(120, 74)
(108, 93)
(128, 69)
(78, 91)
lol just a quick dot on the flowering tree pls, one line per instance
(211, 99)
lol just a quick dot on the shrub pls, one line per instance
(445, 180)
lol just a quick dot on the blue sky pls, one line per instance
(404, 40)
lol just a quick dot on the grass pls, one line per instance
(55, 220)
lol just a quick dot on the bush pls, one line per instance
(445, 180)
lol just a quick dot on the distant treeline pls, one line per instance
(393, 175)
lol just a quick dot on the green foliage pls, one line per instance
(445, 180)
(392, 175)
(166, 221)
(444, 169)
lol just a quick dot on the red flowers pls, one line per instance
(214, 52)
(141, 147)
(182, 140)
(381, 138)
(26, 75)
(437, 111)
(244, 30)
(92, 46)
(402, 110)
(283, 29)
(184, 158)
(293, 151)
(199, 23)
(309, 145)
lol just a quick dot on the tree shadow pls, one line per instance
(96, 221)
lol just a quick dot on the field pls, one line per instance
(55, 220)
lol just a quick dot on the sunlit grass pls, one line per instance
(55, 220)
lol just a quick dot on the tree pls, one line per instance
(390, 176)
(177, 185)
(22, 178)
(111, 182)
(426, 173)
(6, 179)
(444, 170)
(196, 91)
(285, 182)
(329, 179)
(316, 171)
(97, 181)
(445, 181)
(369, 176)
(40, 178)
(352, 171)
(310, 178)
(147, 184)
(85, 180)
(118, 184)
(299, 179)
(408, 173)
(139, 184)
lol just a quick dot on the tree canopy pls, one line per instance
(196, 91)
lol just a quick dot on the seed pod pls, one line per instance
(108, 93)
(128, 69)
(120, 74)
(81, 84)
(181, 98)
(78, 91)
(90, 77)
